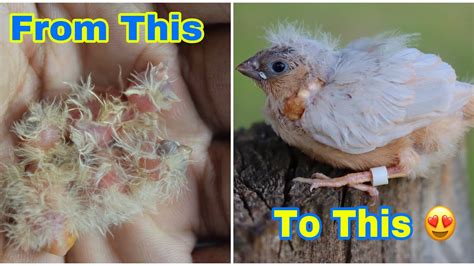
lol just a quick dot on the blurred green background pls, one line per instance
(446, 30)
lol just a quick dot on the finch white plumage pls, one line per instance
(376, 102)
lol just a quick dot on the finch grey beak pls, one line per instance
(249, 68)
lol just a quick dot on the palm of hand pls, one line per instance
(37, 71)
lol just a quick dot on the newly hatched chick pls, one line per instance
(375, 104)
(90, 161)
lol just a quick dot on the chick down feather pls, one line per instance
(90, 161)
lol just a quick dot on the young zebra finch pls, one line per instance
(377, 106)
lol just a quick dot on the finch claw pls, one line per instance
(374, 193)
(314, 182)
(371, 190)
(373, 201)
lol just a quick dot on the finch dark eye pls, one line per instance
(279, 67)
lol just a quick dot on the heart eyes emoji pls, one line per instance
(447, 221)
(440, 223)
(433, 220)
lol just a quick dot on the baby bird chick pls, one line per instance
(374, 103)
(90, 161)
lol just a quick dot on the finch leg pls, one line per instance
(355, 180)
(320, 180)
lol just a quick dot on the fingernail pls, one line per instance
(60, 248)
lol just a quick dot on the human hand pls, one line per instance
(201, 120)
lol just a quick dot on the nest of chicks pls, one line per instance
(90, 161)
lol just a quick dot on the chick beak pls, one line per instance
(249, 69)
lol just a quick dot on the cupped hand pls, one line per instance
(201, 215)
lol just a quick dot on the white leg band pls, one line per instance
(379, 176)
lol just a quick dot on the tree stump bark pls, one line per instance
(264, 167)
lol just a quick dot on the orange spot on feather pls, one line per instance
(294, 108)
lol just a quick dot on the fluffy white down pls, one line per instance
(377, 89)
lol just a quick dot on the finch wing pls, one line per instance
(381, 91)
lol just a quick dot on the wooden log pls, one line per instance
(264, 167)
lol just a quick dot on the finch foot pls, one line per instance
(354, 180)
(318, 180)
